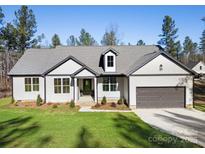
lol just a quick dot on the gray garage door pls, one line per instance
(160, 97)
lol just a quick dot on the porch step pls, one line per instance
(86, 99)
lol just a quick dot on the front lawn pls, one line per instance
(200, 107)
(31, 127)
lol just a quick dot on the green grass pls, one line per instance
(26, 127)
(200, 107)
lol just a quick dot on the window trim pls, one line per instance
(110, 62)
(61, 86)
(31, 84)
(27, 84)
(35, 84)
(110, 84)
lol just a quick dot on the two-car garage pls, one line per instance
(161, 83)
(160, 97)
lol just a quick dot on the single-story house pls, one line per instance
(145, 76)
(198, 67)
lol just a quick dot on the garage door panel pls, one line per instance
(160, 97)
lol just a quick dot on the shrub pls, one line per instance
(104, 101)
(72, 104)
(121, 101)
(113, 104)
(54, 106)
(39, 100)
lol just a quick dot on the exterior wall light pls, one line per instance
(160, 67)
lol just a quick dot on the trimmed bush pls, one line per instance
(104, 101)
(39, 100)
(121, 101)
(72, 104)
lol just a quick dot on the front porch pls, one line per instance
(85, 90)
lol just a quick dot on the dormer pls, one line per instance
(109, 59)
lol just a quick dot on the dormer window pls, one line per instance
(109, 58)
(110, 61)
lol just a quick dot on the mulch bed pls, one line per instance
(110, 106)
(30, 104)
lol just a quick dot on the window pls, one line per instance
(61, 85)
(109, 84)
(27, 84)
(200, 67)
(105, 84)
(66, 85)
(35, 84)
(110, 61)
(113, 84)
(57, 85)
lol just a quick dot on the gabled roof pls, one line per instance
(110, 50)
(41, 61)
(192, 64)
(148, 57)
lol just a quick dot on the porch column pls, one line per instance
(75, 90)
(95, 89)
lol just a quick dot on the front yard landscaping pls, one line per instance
(200, 107)
(37, 127)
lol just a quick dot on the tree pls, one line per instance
(85, 39)
(178, 49)
(140, 42)
(189, 48)
(37, 42)
(71, 41)
(1, 24)
(110, 37)
(26, 26)
(55, 40)
(9, 35)
(169, 35)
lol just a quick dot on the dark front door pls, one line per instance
(87, 86)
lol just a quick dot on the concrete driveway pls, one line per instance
(184, 123)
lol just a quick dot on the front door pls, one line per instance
(87, 87)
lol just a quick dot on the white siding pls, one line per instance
(157, 81)
(111, 94)
(51, 96)
(19, 89)
(110, 69)
(68, 67)
(168, 67)
(197, 68)
(85, 73)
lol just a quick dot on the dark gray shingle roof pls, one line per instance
(38, 61)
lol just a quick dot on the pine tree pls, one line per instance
(26, 27)
(189, 48)
(1, 25)
(140, 43)
(169, 35)
(55, 40)
(85, 39)
(71, 41)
